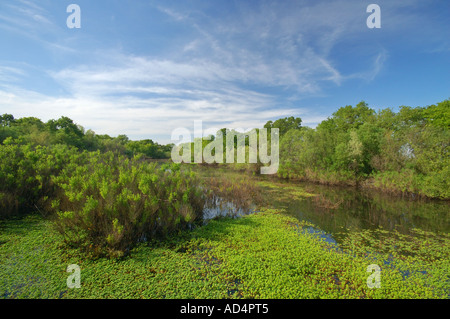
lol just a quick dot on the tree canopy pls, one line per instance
(65, 131)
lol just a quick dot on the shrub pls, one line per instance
(112, 202)
(18, 186)
(26, 176)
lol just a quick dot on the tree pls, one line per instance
(438, 115)
(349, 117)
(29, 121)
(123, 139)
(6, 120)
(65, 131)
(285, 124)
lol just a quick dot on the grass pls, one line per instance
(263, 255)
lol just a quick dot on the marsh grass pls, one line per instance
(228, 195)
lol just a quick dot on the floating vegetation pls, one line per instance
(284, 191)
(421, 256)
(264, 255)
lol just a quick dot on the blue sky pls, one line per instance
(144, 68)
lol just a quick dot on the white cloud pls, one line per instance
(233, 70)
(374, 69)
(221, 75)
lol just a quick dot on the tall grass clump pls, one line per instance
(232, 195)
(26, 173)
(112, 202)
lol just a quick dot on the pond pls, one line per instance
(334, 208)
(338, 209)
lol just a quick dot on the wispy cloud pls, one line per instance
(250, 63)
(10, 74)
(30, 20)
(373, 69)
(232, 71)
(274, 44)
(150, 98)
(26, 16)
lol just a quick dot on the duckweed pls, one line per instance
(262, 255)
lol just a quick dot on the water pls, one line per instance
(335, 209)
(223, 208)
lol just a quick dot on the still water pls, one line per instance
(337, 209)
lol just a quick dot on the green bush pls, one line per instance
(103, 202)
(26, 176)
(112, 202)
(17, 184)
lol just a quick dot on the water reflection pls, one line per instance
(335, 209)
(224, 208)
(322, 235)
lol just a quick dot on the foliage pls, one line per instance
(105, 202)
(148, 148)
(31, 130)
(110, 202)
(285, 124)
(405, 152)
(26, 176)
(264, 255)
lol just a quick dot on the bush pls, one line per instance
(112, 202)
(26, 176)
(18, 186)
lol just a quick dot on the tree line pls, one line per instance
(31, 130)
(404, 152)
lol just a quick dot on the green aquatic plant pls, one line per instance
(262, 255)
(420, 257)
(283, 191)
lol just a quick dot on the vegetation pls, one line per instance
(31, 130)
(131, 223)
(104, 203)
(123, 202)
(405, 152)
(264, 255)
(101, 201)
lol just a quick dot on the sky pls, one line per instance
(145, 68)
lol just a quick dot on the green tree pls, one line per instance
(65, 131)
(438, 115)
(285, 124)
(349, 117)
(6, 120)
